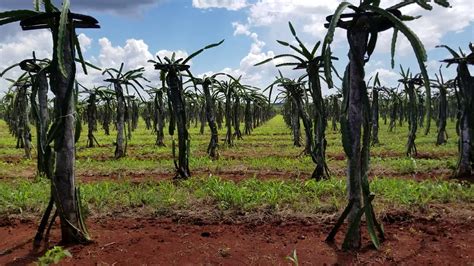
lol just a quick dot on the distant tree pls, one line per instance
(294, 92)
(210, 96)
(171, 69)
(95, 95)
(375, 110)
(313, 64)
(158, 114)
(465, 125)
(442, 87)
(119, 78)
(409, 82)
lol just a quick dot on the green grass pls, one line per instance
(142, 154)
(268, 150)
(252, 195)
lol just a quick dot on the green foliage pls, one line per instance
(418, 48)
(63, 23)
(409, 192)
(249, 195)
(15, 15)
(329, 39)
(393, 46)
(26, 197)
(201, 50)
(293, 258)
(54, 256)
(268, 149)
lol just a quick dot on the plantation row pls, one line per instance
(228, 103)
(267, 152)
(224, 102)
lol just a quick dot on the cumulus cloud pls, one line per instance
(267, 17)
(387, 77)
(311, 15)
(260, 76)
(267, 12)
(178, 54)
(134, 53)
(84, 41)
(240, 29)
(431, 27)
(21, 46)
(227, 4)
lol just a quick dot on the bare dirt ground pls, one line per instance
(239, 175)
(171, 241)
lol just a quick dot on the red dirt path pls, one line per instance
(133, 241)
(239, 175)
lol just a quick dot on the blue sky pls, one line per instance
(135, 31)
(176, 25)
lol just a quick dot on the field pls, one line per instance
(255, 205)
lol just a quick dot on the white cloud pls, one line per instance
(267, 17)
(311, 16)
(240, 29)
(263, 75)
(84, 41)
(169, 54)
(387, 77)
(267, 12)
(9, 31)
(227, 4)
(21, 46)
(431, 27)
(257, 76)
(134, 54)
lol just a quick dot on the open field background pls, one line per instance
(267, 153)
(260, 183)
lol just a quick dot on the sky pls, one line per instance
(135, 31)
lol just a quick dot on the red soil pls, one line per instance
(240, 175)
(133, 241)
(236, 176)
